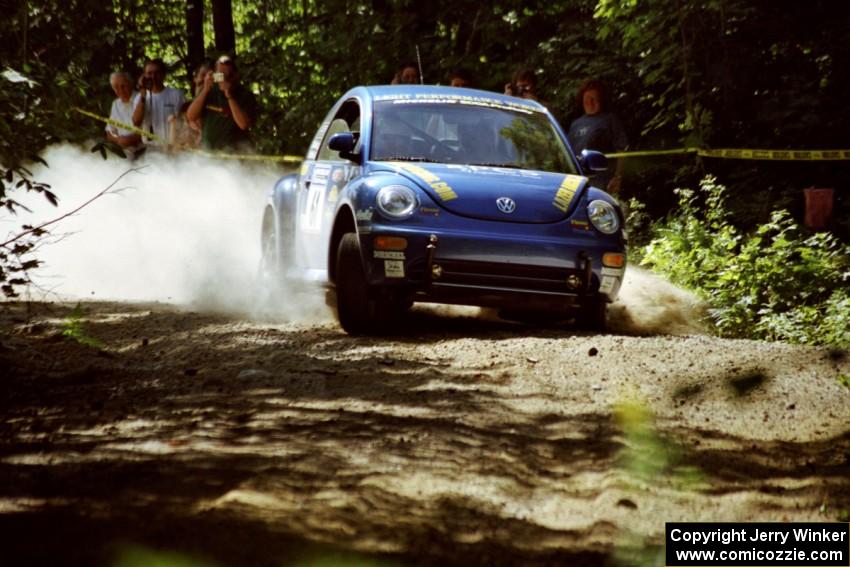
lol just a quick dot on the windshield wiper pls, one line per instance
(406, 158)
(505, 165)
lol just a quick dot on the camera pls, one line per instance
(147, 83)
(218, 77)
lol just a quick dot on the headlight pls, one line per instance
(397, 201)
(604, 216)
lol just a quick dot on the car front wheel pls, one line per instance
(357, 313)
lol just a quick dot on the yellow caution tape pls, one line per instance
(728, 153)
(216, 155)
(779, 155)
(725, 153)
(129, 127)
(652, 153)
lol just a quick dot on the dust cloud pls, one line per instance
(650, 305)
(185, 229)
(181, 229)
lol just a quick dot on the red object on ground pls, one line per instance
(818, 207)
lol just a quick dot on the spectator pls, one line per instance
(461, 78)
(524, 85)
(599, 130)
(225, 107)
(199, 75)
(155, 102)
(122, 111)
(197, 85)
(408, 74)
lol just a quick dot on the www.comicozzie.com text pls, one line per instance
(743, 534)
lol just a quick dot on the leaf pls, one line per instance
(14, 77)
(38, 159)
(117, 150)
(50, 196)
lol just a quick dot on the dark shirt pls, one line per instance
(219, 130)
(602, 132)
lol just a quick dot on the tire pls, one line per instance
(356, 312)
(276, 255)
(593, 315)
(272, 268)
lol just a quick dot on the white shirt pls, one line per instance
(158, 107)
(122, 112)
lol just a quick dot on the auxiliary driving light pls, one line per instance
(614, 259)
(436, 271)
(573, 281)
(389, 243)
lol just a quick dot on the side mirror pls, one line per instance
(344, 143)
(592, 161)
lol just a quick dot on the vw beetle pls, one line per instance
(445, 195)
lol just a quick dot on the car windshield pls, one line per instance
(491, 133)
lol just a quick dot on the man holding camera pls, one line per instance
(226, 108)
(524, 85)
(155, 102)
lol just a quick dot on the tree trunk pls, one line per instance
(225, 37)
(194, 34)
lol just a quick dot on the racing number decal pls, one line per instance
(311, 216)
(567, 191)
(445, 192)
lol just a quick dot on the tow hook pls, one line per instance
(587, 265)
(432, 271)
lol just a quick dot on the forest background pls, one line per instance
(766, 74)
(710, 73)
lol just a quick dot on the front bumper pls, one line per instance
(491, 269)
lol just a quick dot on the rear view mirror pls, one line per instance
(593, 161)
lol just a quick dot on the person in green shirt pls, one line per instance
(226, 108)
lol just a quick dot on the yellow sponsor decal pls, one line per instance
(333, 196)
(445, 192)
(567, 191)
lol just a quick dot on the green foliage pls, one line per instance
(774, 283)
(648, 458)
(138, 556)
(73, 328)
(16, 260)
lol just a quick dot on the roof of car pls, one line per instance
(398, 92)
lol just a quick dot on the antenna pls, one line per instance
(419, 62)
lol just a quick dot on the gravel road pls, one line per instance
(233, 440)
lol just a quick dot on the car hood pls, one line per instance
(475, 191)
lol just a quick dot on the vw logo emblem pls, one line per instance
(506, 205)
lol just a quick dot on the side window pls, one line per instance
(346, 120)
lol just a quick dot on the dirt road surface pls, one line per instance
(217, 440)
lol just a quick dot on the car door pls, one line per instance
(320, 189)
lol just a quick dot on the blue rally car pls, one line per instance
(445, 195)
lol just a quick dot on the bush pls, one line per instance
(776, 283)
